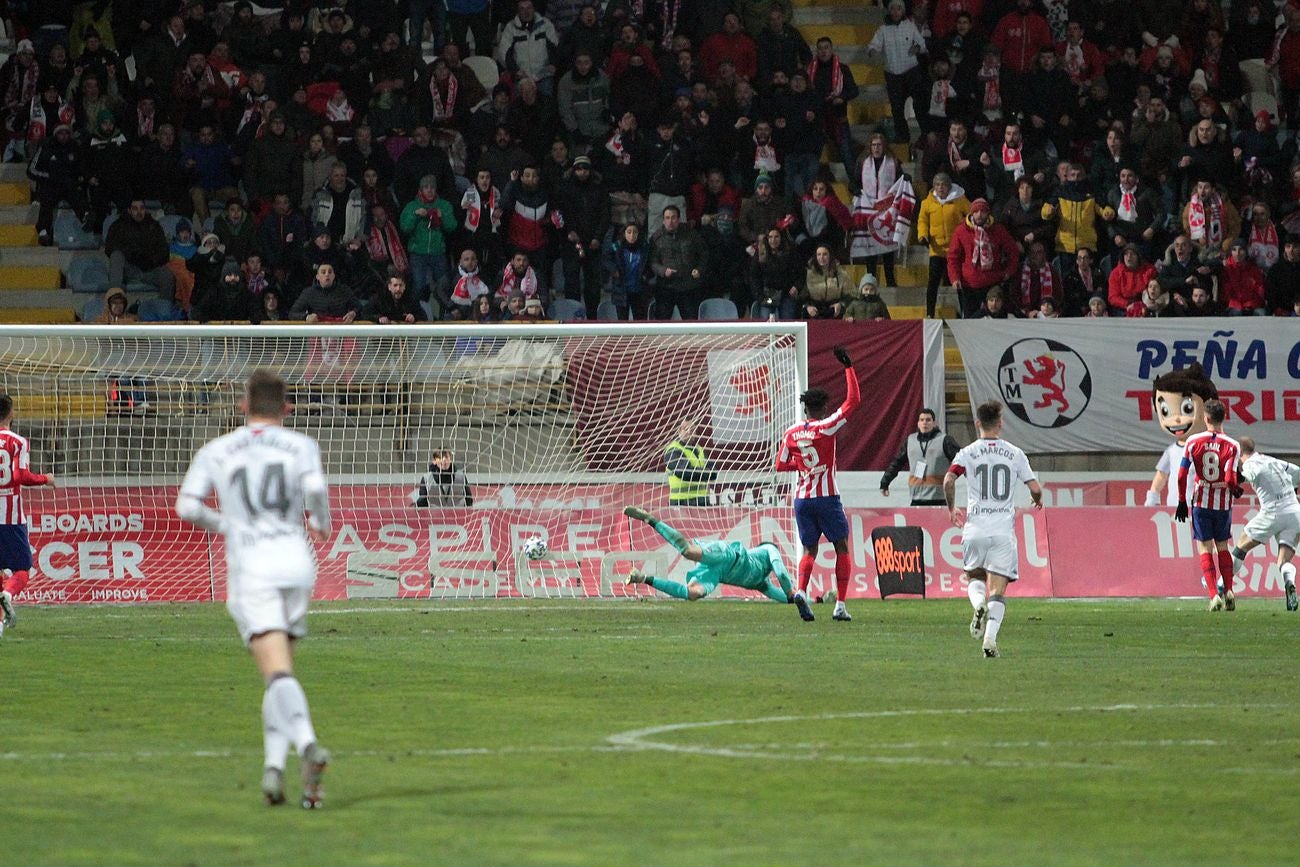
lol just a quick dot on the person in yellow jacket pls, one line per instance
(941, 213)
(689, 473)
(1075, 212)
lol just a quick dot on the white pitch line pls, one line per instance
(638, 738)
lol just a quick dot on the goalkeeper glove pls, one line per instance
(842, 356)
(1236, 490)
(1180, 514)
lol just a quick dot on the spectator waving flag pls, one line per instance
(883, 225)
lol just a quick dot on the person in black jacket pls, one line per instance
(138, 251)
(584, 203)
(225, 300)
(443, 486)
(925, 457)
(420, 159)
(395, 305)
(56, 167)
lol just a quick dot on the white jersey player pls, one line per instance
(272, 496)
(1167, 468)
(1278, 518)
(990, 550)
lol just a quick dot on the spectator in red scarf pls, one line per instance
(982, 255)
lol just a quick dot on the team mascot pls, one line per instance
(1178, 399)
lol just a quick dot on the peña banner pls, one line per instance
(1082, 385)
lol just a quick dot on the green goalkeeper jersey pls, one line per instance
(732, 563)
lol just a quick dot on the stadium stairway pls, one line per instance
(851, 24)
(31, 276)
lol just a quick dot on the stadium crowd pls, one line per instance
(1089, 157)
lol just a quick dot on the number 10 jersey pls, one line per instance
(262, 475)
(993, 468)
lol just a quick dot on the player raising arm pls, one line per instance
(808, 448)
(268, 480)
(720, 563)
(990, 550)
(15, 474)
(1278, 518)
(1214, 456)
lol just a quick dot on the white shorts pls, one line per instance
(1284, 527)
(258, 610)
(995, 554)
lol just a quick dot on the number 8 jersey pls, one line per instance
(993, 468)
(262, 475)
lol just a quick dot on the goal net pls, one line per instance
(555, 428)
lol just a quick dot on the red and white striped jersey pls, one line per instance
(808, 447)
(14, 474)
(1215, 457)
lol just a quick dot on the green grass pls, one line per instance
(505, 732)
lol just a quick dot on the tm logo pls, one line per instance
(1044, 382)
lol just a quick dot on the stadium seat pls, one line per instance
(91, 309)
(718, 309)
(108, 223)
(69, 234)
(607, 312)
(168, 223)
(485, 70)
(88, 274)
(157, 310)
(568, 310)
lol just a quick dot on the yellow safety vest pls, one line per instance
(679, 490)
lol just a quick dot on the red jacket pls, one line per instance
(961, 250)
(699, 200)
(1019, 37)
(1286, 54)
(1126, 285)
(1243, 286)
(946, 11)
(739, 49)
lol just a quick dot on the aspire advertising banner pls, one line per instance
(1084, 385)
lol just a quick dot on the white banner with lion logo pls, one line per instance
(1084, 385)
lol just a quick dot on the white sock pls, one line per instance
(1288, 573)
(1238, 563)
(274, 741)
(996, 609)
(290, 708)
(978, 592)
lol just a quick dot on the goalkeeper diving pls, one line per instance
(719, 563)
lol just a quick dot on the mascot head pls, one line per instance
(1179, 397)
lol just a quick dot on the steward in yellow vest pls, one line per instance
(688, 468)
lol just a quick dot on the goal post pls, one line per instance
(555, 426)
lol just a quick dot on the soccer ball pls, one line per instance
(535, 548)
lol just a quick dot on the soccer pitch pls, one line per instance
(574, 732)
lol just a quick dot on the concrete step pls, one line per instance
(13, 215)
(844, 32)
(36, 316)
(17, 235)
(13, 173)
(819, 11)
(21, 277)
(908, 311)
(15, 192)
(57, 298)
(65, 406)
(47, 257)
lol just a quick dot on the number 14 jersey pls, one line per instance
(993, 469)
(261, 474)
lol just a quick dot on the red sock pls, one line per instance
(842, 566)
(805, 571)
(16, 583)
(1207, 570)
(1225, 569)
